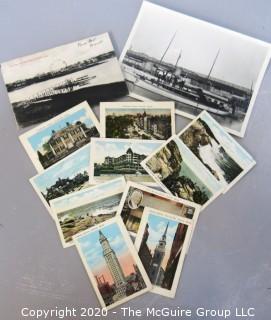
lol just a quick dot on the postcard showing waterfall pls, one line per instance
(137, 120)
(198, 65)
(162, 242)
(179, 172)
(57, 138)
(111, 158)
(112, 263)
(45, 84)
(65, 177)
(217, 150)
(136, 197)
(81, 210)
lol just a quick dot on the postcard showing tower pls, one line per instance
(136, 197)
(222, 155)
(198, 65)
(179, 172)
(137, 120)
(45, 84)
(111, 158)
(112, 263)
(162, 243)
(57, 138)
(81, 210)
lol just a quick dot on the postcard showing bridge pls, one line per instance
(44, 84)
(200, 66)
(57, 138)
(81, 210)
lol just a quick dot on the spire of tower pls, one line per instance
(164, 236)
(101, 236)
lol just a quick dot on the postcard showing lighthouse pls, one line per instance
(198, 65)
(222, 155)
(45, 84)
(112, 263)
(57, 138)
(162, 243)
(81, 210)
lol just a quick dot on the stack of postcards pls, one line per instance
(129, 176)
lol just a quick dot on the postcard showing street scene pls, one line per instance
(162, 242)
(42, 85)
(198, 65)
(81, 210)
(179, 172)
(136, 197)
(217, 150)
(112, 263)
(67, 176)
(111, 158)
(137, 120)
(57, 138)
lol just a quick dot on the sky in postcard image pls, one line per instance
(93, 252)
(128, 110)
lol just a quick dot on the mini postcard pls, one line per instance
(112, 263)
(198, 65)
(81, 210)
(136, 197)
(57, 138)
(217, 150)
(179, 172)
(137, 120)
(110, 158)
(162, 241)
(65, 177)
(45, 84)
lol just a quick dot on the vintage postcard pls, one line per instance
(198, 65)
(162, 241)
(137, 120)
(217, 150)
(57, 138)
(66, 176)
(84, 209)
(112, 263)
(180, 173)
(136, 197)
(110, 158)
(45, 84)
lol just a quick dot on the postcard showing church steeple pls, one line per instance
(162, 241)
(112, 263)
(57, 138)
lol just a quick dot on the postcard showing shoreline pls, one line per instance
(196, 64)
(137, 120)
(76, 212)
(112, 264)
(45, 84)
(111, 158)
(57, 138)
(162, 243)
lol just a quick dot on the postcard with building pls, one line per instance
(45, 84)
(66, 176)
(57, 138)
(136, 197)
(137, 120)
(198, 65)
(81, 210)
(110, 158)
(222, 155)
(162, 243)
(112, 263)
(179, 172)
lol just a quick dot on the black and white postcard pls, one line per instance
(42, 85)
(200, 66)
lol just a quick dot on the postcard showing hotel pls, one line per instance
(112, 264)
(57, 138)
(81, 210)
